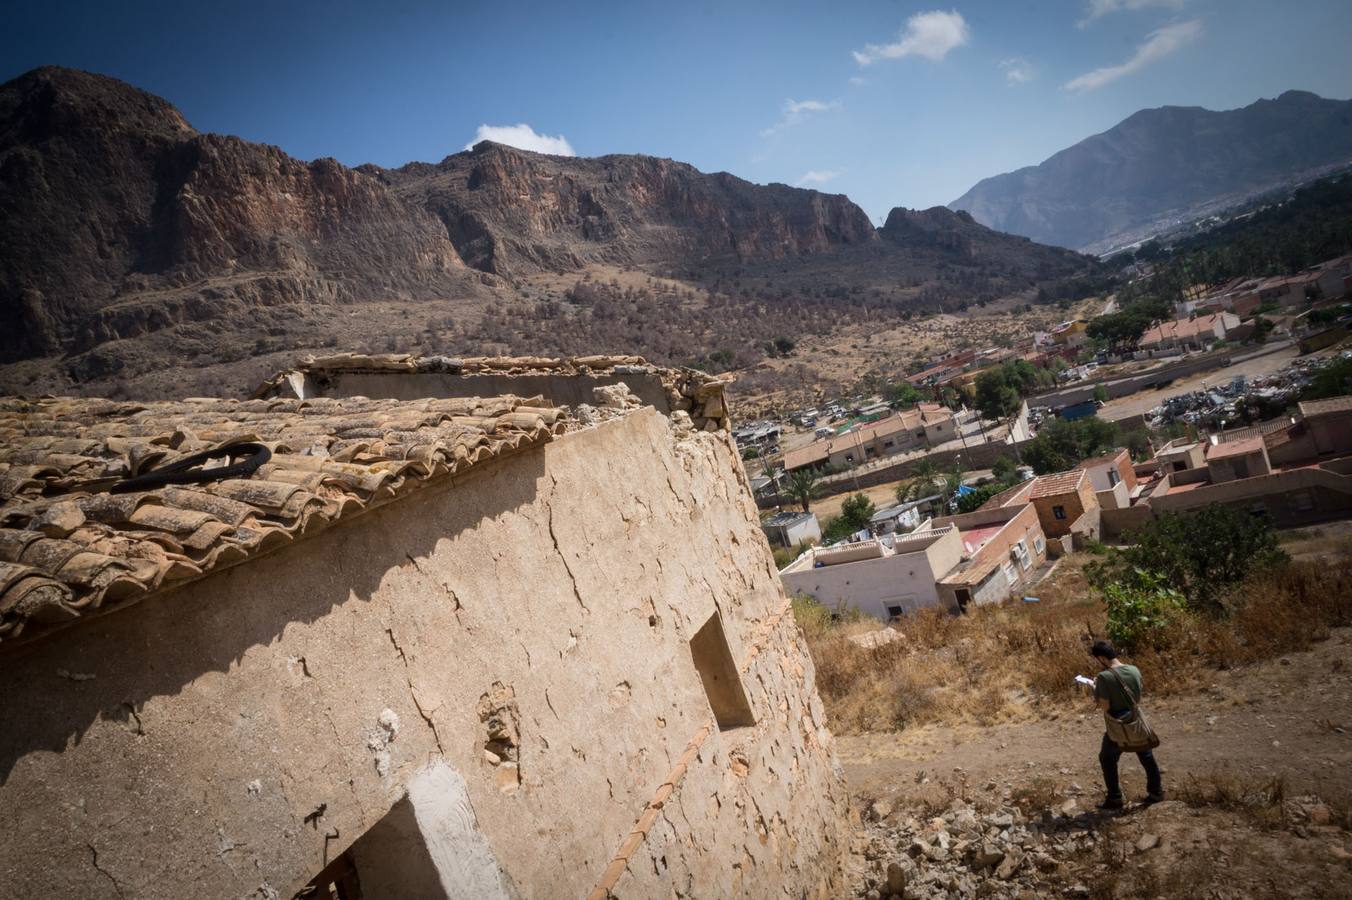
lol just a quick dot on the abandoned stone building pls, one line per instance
(526, 642)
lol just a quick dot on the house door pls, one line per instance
(964, 599)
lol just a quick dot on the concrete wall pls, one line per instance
(1294, 497)
(871, 585)
(1115, 523)
(230, 738)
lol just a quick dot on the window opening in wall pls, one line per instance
(964, 598)
(1039, 543)
(718, 672)
(1113, 478)
(895, 612)
(1059, 512)
(1302, 501)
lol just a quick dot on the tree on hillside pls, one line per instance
(856, 510)
(921, 484)
(903, 393)
(1061, 444)
(996, 399)
(802, 487)
(1200, 554)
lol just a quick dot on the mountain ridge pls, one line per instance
(126, 236)
(1162, 165)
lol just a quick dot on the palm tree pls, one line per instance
(802, 486)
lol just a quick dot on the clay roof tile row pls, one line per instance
(68, 547)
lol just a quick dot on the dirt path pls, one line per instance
(936, 802)
(1265, 720)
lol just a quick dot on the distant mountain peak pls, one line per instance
(1160, 166)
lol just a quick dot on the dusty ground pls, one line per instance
(1285, 723)
(1257, 764)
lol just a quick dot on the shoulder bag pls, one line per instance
(1131, 733)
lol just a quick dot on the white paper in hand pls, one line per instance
(1087, 682)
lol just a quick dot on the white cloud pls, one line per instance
(1158, 44)
(1097, 9)
(795, 111)
(856, 81)
(817, 176)
(523, 137)
(928, 34)
(1017, 70)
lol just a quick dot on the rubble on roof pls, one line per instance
(69, 547)
(691, 391)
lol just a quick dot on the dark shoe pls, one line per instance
(1110, 805)
(1154, 798)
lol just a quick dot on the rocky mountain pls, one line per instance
(511, 212)
(131, 244)
(118, 218)
(1162, 166)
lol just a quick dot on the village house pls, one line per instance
(924, 425)
(1295, 470)
(1237, 459)
(949, 563)
(902, 517)
(1195, 333)
(1180, 454)
(477, 644)
(1071, 334)
(1113, 478)
(885, 577)
(788, 529)
(1332, 277)
(1002, 551)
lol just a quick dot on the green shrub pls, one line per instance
(1141, 609)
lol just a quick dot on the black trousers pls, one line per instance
(1110, 753)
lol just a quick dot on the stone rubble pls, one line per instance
(965, 852)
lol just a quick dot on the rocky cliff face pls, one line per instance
(127, 239)
(117, 218)
(1160, 166)
(511, 212)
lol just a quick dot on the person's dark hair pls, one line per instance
(1103, 650)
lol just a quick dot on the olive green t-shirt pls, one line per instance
(1107, 687)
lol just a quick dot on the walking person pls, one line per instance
(1117, 691)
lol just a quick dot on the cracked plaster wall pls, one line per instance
(238, 733)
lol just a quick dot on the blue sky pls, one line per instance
(892, 103)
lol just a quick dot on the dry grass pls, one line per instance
(1001, 663)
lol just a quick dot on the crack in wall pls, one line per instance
(94, 852)
(555, 538)
(426, 716)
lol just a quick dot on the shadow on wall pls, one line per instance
(108, 667)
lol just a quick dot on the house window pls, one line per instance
(1059, 512)
(718, 672)
(1302, 501)
(1113, 478)
(895, 612)
(887, 445)
(1011, 574)
(1020, 552)
(1039, 544)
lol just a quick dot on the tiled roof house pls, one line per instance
(471, 641)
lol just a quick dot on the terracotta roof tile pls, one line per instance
(68, 547)
(1059, 483)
